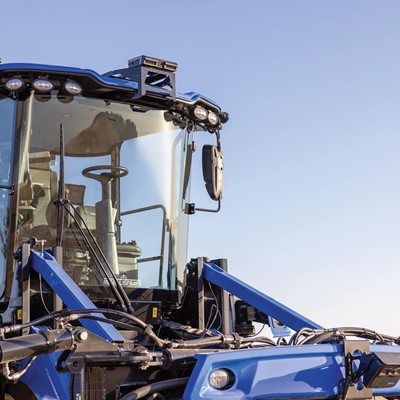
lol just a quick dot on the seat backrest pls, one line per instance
(88, 215)
(44, 183)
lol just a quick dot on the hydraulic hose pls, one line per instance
(152, 388)
(45, 342)
(86, 313)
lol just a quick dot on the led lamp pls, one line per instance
(200, 113)
(212, 118)
(42, 85)
(15, 84)
(72, 88)
(220, 379)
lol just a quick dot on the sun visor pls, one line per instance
(107, 131)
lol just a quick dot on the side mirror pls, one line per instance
(213, 171)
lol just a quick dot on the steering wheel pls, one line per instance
(115, 172)
(105, 178)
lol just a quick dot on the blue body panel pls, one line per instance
(118, 83)
(281, 372)
(121, 83)
(214, 274)
(45, 381)
(71, 294)
(312, 371)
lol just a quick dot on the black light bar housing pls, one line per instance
(153, 75)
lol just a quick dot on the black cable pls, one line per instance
(260, 339)
(146, 329)
(198, 343)
(311, 336)
(109, 321)
(217, 313)
(41, 295)
(155, 387)
(257, 333)
(111, 311)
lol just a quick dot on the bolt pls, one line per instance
(82, 336)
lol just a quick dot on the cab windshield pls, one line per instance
(124, 169)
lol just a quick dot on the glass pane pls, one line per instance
(129, 200)
(7, 113)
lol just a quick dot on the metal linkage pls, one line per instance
(71, 294)
(257, 299)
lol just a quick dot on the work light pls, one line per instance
(200, 113)
(42, 85)
(221, 379)
(72, 88)
(15, 84)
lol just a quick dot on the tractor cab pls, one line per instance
(99, 167)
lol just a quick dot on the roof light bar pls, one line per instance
(202, 114)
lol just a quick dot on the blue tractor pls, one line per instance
(98, 299)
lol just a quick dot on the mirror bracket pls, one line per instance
(190, 208)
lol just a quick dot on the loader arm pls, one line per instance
(216, 275)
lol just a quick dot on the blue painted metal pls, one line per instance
(71, 294)
(45, 381)
(312, 371)
(43, 378)
(72, 71)
(216, 275)
(191, 97)
(278, 331)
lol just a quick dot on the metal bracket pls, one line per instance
(152, 75)
(278, 329)
(26, 284)
(350, 391)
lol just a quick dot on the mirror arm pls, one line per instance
(218, 137)
(190, 208)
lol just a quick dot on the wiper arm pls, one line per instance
(11, 188)
(61, 189)
(114, 283)
(61, 203)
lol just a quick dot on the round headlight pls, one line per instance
(15, 84)
(212, 117)
(42, 85)
(72, 88)
(221, 379)
(200, 113)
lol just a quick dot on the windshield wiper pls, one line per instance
(114, 283)
(8, 187)
(61, 203)
(61, 189)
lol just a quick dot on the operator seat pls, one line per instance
(43, 184)
(128, 253)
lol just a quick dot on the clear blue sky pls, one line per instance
(311, 213)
